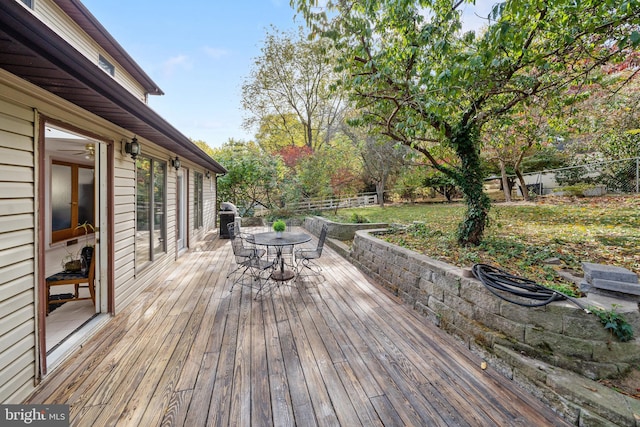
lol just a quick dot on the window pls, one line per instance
(151, 208)
(72, 199)
(28, 3)
(197, 201)
(106, 65)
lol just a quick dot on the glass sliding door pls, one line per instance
(159, 237)
(151, 208)
(181, 211)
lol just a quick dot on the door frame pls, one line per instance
(182, 211)
(104, 185)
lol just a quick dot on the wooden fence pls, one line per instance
(311, 205)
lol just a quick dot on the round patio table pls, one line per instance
(286, 239)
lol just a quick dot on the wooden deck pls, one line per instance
(338, 351)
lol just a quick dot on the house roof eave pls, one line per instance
(89, 24)
(32, 51)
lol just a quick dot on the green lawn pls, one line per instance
(520, 237)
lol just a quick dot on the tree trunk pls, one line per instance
(468, 177)
(380, 193)
(506, 188)
(516, 167)
(523, 186)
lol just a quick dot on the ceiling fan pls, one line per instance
(89, 151)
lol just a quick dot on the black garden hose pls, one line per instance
(504, 285)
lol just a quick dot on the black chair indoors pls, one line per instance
(85, 276)
(308, 257)
(250, 260)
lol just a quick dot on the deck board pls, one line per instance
(327, 350)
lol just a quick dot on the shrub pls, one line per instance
(358, 219)
(576, 189)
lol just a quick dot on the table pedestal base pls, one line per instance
(282, 276)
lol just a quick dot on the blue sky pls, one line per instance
(200, 52)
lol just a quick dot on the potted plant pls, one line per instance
(279, 226)
(73, 262)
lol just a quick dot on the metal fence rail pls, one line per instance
(617, 176)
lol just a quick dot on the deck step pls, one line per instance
(613, 285)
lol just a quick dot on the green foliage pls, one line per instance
(277, 132)
(356, 218)
(442, 184)
(545, 158)
(204, 147)
(565, 289)
(577, 189)
(614, 322)
(253, 177)
(410, 182)
(279, 225)
(331, 171)
(288, 92)
(420, 81)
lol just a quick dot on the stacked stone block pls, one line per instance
(610, 280)
(560, 333)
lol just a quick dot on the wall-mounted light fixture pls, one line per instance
(208, 175)
(175, 163)
(132, 148)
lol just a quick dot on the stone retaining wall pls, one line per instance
(530, 346)
(338, 230)
(560, 333)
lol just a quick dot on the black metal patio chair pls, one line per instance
(249, 263)
(306, 258)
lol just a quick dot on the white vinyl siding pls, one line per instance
(54, 18)
(17, 252)
(18, 217)
(130, 283)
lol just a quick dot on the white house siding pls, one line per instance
(131, 279)
(18, 283)
(17, 252)
(209, 206)
(49, 13)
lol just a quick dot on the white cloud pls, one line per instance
(177, 62)
(214, 52)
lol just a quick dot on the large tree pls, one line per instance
(382, 158)
(424, 83)
(292, 79)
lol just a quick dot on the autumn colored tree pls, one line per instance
(319, 175)
(277, 132)
(203, 146)
(510, 139)
(292, 156)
